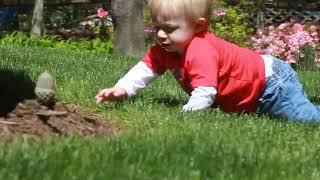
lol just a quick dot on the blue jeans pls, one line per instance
(284, 97)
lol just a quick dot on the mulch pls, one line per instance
(32, 119)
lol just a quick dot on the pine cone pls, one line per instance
(45, 88)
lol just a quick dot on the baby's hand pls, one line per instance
(111, 94)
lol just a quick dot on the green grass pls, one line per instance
(158, 142)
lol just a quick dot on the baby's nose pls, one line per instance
(161, 34)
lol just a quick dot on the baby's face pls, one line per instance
(174, 34)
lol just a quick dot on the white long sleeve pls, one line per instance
(137, 78)
(201, 98)
(141, 75)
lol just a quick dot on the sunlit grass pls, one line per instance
(158, 141)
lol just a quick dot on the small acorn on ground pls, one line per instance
(45, 88)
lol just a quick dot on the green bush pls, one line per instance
(305, 59)
(233, 26)
(25, 39)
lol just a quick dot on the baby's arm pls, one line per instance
(202, 97)
(137, 78)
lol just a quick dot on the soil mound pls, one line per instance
(32, 119)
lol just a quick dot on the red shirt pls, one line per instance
(237, 73)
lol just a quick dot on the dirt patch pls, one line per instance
(31, 119)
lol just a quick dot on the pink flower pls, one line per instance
(102, 13)
(313, 28)
(283, 25)
(219, 12)
(149, 29)
(314, 34)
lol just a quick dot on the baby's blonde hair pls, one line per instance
(161, 10)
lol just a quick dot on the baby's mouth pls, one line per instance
(165, 46)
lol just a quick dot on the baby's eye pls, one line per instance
(157, 28)
(170, 29)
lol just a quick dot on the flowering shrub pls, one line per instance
(149, 30)
(286, 41)
(104, 23)
(98, 24)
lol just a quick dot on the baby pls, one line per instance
(212, 71)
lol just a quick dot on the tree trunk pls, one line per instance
(37, 19)
(128, 22)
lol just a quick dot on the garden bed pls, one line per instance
(33, 120)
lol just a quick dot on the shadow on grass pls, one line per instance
(15, 86)
(315, 99)
(168, 101)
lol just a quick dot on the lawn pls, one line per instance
(157, 140)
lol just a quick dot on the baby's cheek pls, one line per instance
(182, 38)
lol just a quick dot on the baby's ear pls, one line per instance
(201, 24)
